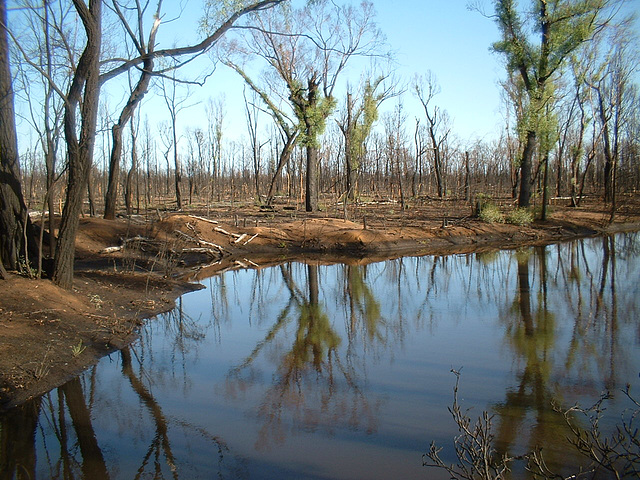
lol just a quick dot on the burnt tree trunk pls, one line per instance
(524, 198)
(311, 185)
(13, 210)
(110, 199)
(285, 155)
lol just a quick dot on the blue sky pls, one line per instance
(442, 36)
(454, 43)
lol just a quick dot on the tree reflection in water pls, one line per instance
(63, 420)
(306, 358)
(314, 385)
(526, 417)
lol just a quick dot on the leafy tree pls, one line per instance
(356, 124)
(536, 46)
(309, 48)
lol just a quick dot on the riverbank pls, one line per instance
(131, 269)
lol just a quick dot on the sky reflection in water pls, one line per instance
(343, 372)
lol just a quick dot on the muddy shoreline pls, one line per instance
(48, 336)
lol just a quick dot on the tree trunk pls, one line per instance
(13, 209)
(285, 155)
(79, 150)
(467, 177)
(110, 199)
(524, 199)
(608, 155)
(111, 196)
(545, 188)
(311, 185)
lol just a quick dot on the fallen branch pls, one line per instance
(223, 231)
(240, 238)
(204, 219)
(112, 249)
(125, 242)
(250, 239)
(253, 264)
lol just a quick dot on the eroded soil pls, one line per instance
(48, 335)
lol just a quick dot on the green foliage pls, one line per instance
(365, 117)
(490, 213)
(487, 210)
(535, 47)
(520, 216)
(76, 350)
(216, 12)
(311, 110)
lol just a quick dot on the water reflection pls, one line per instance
(314, 385)
(302, 368)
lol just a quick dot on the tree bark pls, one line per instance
(311, 185)
(13, 209)
(79, 150)
(111, 197)
(285, 154)
(524, 198)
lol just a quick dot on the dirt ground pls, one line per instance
(131, 269)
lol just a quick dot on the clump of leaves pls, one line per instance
(491, 213)
(520, 216)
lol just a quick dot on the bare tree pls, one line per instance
(83, 95)
(437, 124)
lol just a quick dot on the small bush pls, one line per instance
(490, 213)
(520, 216)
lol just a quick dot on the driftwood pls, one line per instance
(240, 238)
(197, 241)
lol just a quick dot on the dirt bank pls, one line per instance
(131, 269)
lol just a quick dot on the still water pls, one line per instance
(343, 371)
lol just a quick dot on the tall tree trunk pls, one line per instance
(467, 177)
(110, 199)
(79, 150)
(178, 172)
(13, 209)
(311, 185)
(608, 155)
(524, 199)
(545, 188)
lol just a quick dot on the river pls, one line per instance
(312, 371)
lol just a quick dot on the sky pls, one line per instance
(441, 36)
